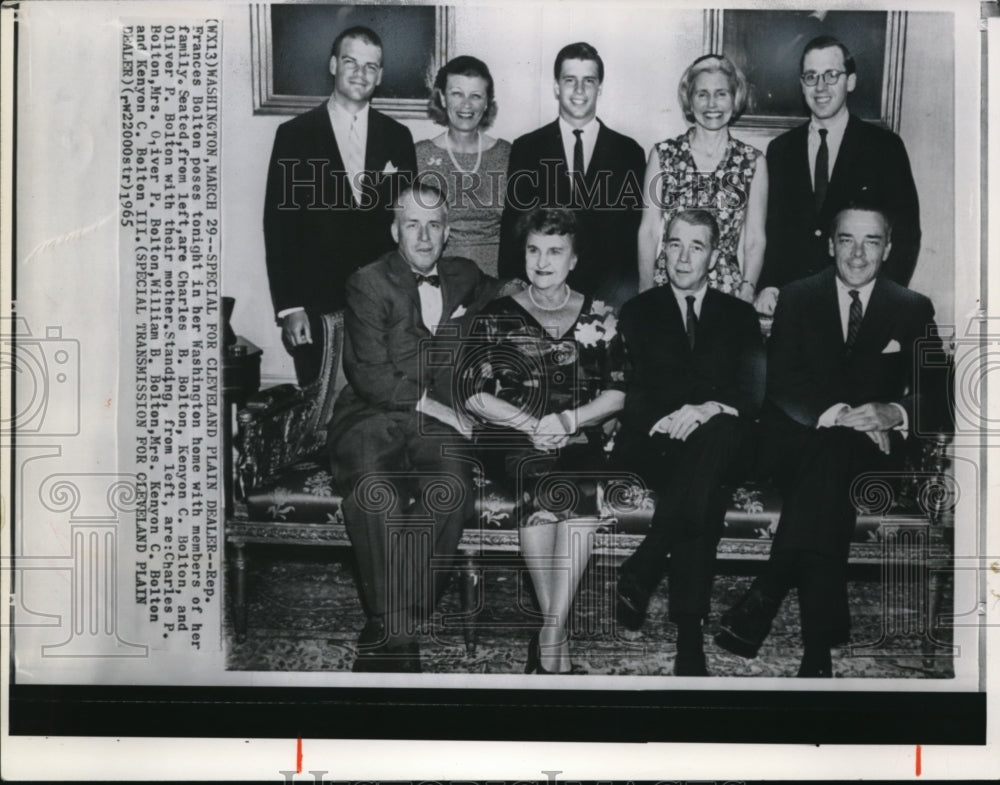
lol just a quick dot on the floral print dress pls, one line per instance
(512, 357)
(725, 193)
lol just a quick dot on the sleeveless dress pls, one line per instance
(511, 356)
(475, 199)
(725, 193)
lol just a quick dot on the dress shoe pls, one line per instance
(743, 628)
(379, 654)
(812, 671)
(690, 664)
(631, 602)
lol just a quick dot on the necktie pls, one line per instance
(433, 280)
(692, 320)
(853, 320)
(821, 178)
(354, 158)
(578, 154)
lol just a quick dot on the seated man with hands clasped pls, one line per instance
(695, 382)
(845, 389)
(392, 426)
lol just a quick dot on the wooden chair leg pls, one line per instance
(240, 604)
(470, 602)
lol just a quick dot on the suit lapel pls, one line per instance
(599, 160)
(327, 140)
(828, 314)
(878, 316)
(802, 172)
(402, 278)
(842, 167)
(452, 289)
(374, 143)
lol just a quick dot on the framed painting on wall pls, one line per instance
(767, 45)
(290, 52)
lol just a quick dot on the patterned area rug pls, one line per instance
(304, 615)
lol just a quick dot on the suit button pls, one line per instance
(818, 232)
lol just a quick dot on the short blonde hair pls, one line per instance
(711, 64)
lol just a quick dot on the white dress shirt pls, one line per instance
(681, 296)
(341, 121)
(834, 136)
(431, 302)
(589, 138)
(829, 417)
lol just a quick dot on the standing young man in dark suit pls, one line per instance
(695, 383)
(823, 165)
(845, 388)
(578, 162)
(406, 498)
(333, 174)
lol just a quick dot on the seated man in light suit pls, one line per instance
(392, 427)
(695, 384)
(844, 390)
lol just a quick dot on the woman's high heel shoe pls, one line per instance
(534, 663)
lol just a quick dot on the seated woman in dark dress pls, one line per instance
(544, 373)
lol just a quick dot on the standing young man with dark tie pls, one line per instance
(578, 162)
(818, 168)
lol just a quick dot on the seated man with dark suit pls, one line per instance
(820, 166)
(406, 496)
(695, 384)
(844, 390)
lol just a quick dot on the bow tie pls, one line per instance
(433, 280)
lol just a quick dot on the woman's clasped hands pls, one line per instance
(553, 431)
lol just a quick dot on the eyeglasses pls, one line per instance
(811, 78)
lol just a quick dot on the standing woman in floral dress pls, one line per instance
(467, 165)
(544, 371)
(707, 168)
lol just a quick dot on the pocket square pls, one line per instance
(390, 168)
(458, 312)
(892, 347)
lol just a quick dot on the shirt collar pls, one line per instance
(864, 292)
(340, 116)
(682, 295)
(567, 130)
(835, 128)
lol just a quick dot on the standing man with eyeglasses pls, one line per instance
(334, 173)
(819, 167)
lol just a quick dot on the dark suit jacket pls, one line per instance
(808, 369)
(388, 356)
(663, 373)
(315, 234)
(872, 166)
(609, 208)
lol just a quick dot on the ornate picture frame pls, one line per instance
(767, 44)
(289, 68)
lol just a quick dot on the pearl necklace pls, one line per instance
(539, 306)
(451, 155)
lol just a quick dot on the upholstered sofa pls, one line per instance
(285, 495)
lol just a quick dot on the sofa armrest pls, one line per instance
(284, 424)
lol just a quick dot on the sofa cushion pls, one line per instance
(304, 493)
(300, 493)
